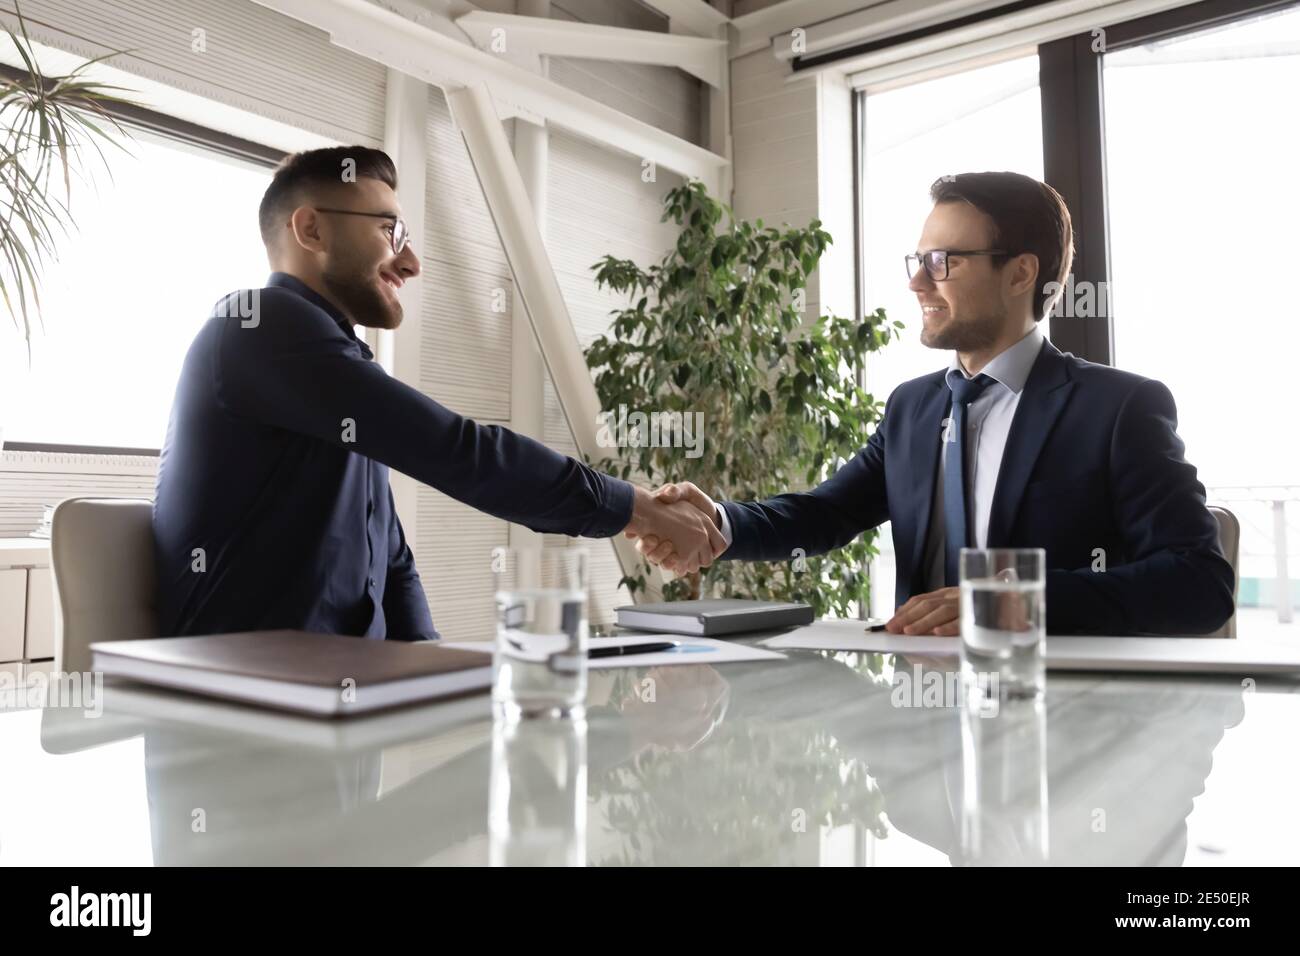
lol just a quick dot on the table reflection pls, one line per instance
(748, 764)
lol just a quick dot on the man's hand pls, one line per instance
(937, 613)
(688, 538)
(661, 551)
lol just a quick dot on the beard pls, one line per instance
(971, 335)
(357, 289)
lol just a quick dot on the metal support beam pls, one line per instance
(524, 39)
(422, 50)
(535, 282)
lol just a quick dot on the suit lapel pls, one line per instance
(923, 456)
(1046, 392)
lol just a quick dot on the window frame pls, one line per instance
(182, 131)
(1074, 148)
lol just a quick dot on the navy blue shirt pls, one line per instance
(273, 508)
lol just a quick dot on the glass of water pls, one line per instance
(1004, 620)
(540, 663)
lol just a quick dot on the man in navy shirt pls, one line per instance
(273, 508)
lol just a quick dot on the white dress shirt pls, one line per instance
(988, 422)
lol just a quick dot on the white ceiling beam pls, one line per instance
(696, 17)
(754, 31)
(424, 50)
(528, 38)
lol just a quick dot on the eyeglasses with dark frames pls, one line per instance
(400, 235)
(936, 260)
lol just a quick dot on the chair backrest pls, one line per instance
(103, 558)
(1230, 543)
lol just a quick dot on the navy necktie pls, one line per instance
(956, 513)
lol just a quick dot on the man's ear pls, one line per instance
(305, 227)
(1023, 273)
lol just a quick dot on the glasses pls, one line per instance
(400, 235)
(936, 260)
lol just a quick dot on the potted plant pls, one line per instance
(52, 131)
(716, 329)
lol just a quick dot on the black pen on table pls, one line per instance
(623, 649)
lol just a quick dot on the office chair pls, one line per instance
(103, 558)
(1230, 542)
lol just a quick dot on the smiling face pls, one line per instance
(982, 297)
(358, 267)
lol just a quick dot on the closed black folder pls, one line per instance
(713, 617)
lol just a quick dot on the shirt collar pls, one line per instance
(1011, 366)
(286, 281)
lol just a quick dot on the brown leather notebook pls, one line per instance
(297, 670)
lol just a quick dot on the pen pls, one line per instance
(631, 649)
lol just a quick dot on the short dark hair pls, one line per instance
(301, 173)
(1028, 216)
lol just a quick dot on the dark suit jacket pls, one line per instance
(1092, 461)
(276, 466)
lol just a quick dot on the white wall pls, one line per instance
(793, 163)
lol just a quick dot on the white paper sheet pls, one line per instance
(859, 639)
(1199, 655)
(690, 650)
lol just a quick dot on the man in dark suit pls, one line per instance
(272, 507)
(1014, 445)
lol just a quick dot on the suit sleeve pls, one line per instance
(1174, 579)
(297, 370)
(406, 610)
(827, 517)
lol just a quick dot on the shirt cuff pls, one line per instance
(614, 516)
(725, 523)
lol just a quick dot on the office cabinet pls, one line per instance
(26, 603)
(13, 613)
(38, 643)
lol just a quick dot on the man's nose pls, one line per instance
(921, 282)
(408, 263)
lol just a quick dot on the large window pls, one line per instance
(987, 118)
(1202, 140)
(173, 230)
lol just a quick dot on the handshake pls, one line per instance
(676, 527)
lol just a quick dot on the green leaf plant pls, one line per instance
(52, 129)
(718, 328)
